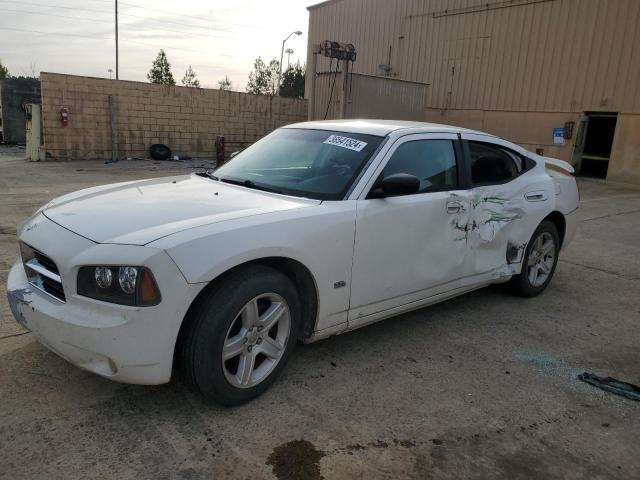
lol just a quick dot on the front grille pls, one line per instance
(42, 272)
(46, 262)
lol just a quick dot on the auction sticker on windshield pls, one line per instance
(345, 142)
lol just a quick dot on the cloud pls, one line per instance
(216, 37)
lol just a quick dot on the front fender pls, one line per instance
(320, 237)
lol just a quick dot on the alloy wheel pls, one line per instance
(256, 340)
(541, 259)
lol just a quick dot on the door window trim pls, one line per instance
(526, 165)
(460, 158)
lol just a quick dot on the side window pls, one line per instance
(432, 161)
(494, 164)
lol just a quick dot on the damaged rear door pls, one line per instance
(509, 199)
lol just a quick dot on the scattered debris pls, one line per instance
(612, 385)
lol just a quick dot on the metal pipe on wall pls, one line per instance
(343, 92)
(117, 60)
(114, 146)
(313, 67)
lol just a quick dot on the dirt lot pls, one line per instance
(483, 386)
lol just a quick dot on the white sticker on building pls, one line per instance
(345, 142)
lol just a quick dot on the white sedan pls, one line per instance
(314, 230)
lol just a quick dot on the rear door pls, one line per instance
(410, 247)
(509, 199)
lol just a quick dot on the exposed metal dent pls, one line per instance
(17, 299)
(515, 252)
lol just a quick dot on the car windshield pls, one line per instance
(319, 164)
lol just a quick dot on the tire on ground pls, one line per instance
(521, 282)
(209, 320)
(159, 151)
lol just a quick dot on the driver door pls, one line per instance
(411, 248)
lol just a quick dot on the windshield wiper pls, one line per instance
(208, 174)
(250, 184)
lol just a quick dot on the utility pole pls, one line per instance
(288, 51)
(117, 72)
(297, 32)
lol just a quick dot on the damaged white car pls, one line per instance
(316, 229)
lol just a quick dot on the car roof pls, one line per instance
(380, 127)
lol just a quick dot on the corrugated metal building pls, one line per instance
(558, 75)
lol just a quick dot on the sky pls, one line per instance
(215, 37)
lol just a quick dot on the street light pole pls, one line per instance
(297, 32)
(117, 69)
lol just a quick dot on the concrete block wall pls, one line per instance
(187, 120)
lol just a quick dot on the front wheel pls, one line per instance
(239, 335)
(540, 260)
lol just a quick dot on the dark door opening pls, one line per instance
(597, 139)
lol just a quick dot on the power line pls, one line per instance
(56, 6)
(109, 22)
(56, 15)
(221, 22)
(108, 12)
(94, 37)
(192, 17)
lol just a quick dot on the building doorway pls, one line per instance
(593, 144)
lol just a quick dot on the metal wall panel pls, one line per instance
(514, 55)
(328, 105)
(369, 97)
(379, 97)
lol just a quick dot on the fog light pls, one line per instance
(103, 277)
(127, 277)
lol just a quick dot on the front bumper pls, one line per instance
(123, 343)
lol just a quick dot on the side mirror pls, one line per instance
(395, 185)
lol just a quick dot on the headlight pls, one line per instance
(125, 285)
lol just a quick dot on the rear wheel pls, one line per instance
(240, 334)
(540, 260)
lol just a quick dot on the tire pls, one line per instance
(530, 284)
(159, 151)
(232, 317)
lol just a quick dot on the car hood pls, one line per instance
(140, 212)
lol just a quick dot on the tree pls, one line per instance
(190, 78)
(292, 84)
(4, 71)
(225, 84)
(161, 70)
(264, 78)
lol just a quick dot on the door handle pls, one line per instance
(454, 207)
(538, 196)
